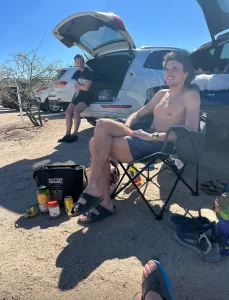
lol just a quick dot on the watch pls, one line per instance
(155, 136)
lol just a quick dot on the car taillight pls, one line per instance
(60, 83)
(41, 89)
(119, 22)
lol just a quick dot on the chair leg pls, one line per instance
(179, 175)
(146, 202)
(179, 178)
(116, 190)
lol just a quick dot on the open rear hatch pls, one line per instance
(216, 13)
(94, 32)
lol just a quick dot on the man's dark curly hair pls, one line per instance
(183, 58)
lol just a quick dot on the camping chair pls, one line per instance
(189, 148)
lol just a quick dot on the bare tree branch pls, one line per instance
(29, 72)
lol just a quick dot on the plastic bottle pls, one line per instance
(223, 227)
(43, 196)
(132, 170)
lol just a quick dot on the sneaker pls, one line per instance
(198, 222)
(204, 241)
(73, 138)
(65, 138)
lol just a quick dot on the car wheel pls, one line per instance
(53, 108)
(25, 104)
(64, 108)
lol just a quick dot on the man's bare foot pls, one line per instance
(91, 191)
(87, 201)
(148, 269)
(150, 295)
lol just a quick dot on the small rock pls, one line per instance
(46, 119)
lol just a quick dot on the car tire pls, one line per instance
(26, 104)
(53, 108)
(65, 108)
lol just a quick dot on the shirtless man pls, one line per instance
(177, 105)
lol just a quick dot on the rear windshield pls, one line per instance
(102, 36)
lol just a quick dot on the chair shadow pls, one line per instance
(208, 170)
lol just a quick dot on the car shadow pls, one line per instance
(4, 110)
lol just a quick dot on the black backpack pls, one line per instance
(62, 181)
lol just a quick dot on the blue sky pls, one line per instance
(24, 23)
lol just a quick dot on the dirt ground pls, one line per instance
(42, 258)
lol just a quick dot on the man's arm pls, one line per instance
(192, 105)
(85, 87)
(146, 109)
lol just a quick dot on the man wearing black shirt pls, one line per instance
(81, 99)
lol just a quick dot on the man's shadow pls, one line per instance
(126, 234)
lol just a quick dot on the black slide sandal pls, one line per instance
(92, 217)
(80, 208)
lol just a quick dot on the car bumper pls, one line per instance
(57, 101)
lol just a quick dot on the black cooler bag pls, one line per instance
(62, 181)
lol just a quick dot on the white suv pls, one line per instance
(123, 74)
(60, 89)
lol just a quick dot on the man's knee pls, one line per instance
(102, 123)
(80, 107)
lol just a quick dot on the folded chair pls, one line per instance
(189, 148)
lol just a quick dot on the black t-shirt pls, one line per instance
(87, 74)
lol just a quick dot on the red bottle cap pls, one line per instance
(52, 203)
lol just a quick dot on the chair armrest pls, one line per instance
(177, 129)
(189, 144)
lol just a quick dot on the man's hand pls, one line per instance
(141, 134)
(77, 86)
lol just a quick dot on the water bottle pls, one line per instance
(223, 228)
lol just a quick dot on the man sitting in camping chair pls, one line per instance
(178, 105)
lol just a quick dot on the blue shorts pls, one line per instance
(140, 148)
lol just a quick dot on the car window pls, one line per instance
(225, 51)
(155, 60)
(102, 36)
(59, 74)
(224, 5)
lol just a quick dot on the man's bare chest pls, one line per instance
(169, 107)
